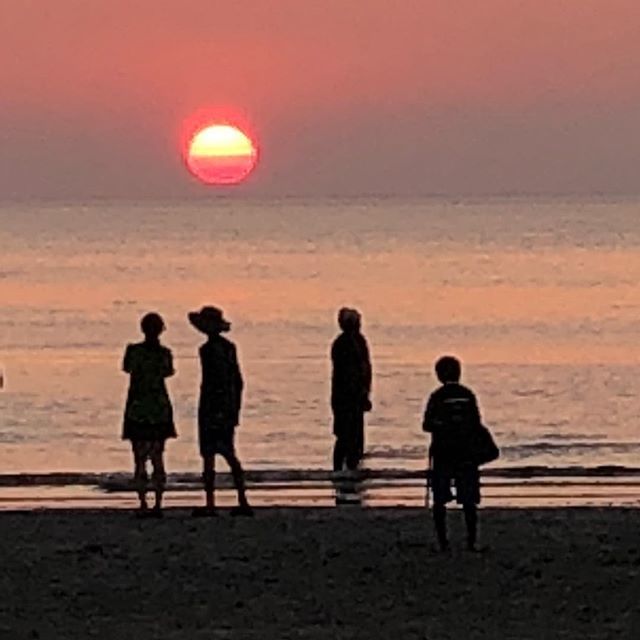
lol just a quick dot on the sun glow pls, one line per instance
(221, 154)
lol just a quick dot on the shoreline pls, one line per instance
(318, 574)
(521, 472)
(364, 495)
(521, 487)
(502, 487)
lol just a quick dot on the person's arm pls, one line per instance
(366, 367)
(429, 421)
(168, 365)
(334, 353)
(334, 366)
(204, 364)
(238, 383)
(476, 420)
(126, 361)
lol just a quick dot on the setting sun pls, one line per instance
(221, 154)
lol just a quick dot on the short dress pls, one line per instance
(148, 414)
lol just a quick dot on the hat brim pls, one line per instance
(208, 325)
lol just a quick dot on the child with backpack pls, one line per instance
(459, 444)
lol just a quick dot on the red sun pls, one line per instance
(221, 154)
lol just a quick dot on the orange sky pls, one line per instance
(382, 96)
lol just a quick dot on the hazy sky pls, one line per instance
(347, 96)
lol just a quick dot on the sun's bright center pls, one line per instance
(221, 140)
(221, 154)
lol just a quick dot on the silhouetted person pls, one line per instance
(451, 416)
(148, 417)
(350, 389)
(219, 406)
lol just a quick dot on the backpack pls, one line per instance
(461, 437)
(483, 447)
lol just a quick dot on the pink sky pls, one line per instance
(348, 96)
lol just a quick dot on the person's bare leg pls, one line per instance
(159, 476)
(238, 480)
(353, 441)
(209, 479)
(209, 475)
(471, 520)
(359, 426)
(338, 454)
(440, 522)
(140, 476)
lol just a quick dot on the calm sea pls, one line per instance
(540, 300)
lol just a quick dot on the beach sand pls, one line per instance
(323, 573)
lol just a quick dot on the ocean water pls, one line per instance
(539, 298)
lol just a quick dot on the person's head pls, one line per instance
(448, 369)
(349, 320)
(152, 325)
(210, 321)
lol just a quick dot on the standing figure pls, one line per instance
(350, 390)
(219, 406)
(148, 416)
(453, 419)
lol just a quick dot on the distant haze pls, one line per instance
(348, 97)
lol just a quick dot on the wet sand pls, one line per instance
(319, 573)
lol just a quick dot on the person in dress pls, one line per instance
(219, 406)
(453, 419)
(148, 416)
(350, 390)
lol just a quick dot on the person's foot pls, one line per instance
(242, 510)
(346, 475)
(204, 512)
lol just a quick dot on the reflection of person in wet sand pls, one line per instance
(350, 389)
(148, 418)
(219, 406)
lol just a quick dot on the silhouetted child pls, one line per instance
(219, 406)
(148, 417)
(350, 389)
(452, 416)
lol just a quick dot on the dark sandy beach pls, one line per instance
(324, 573)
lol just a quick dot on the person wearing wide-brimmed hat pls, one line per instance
(219, 405)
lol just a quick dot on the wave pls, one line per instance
(283, 478)
(528, 449)
(550, 445)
